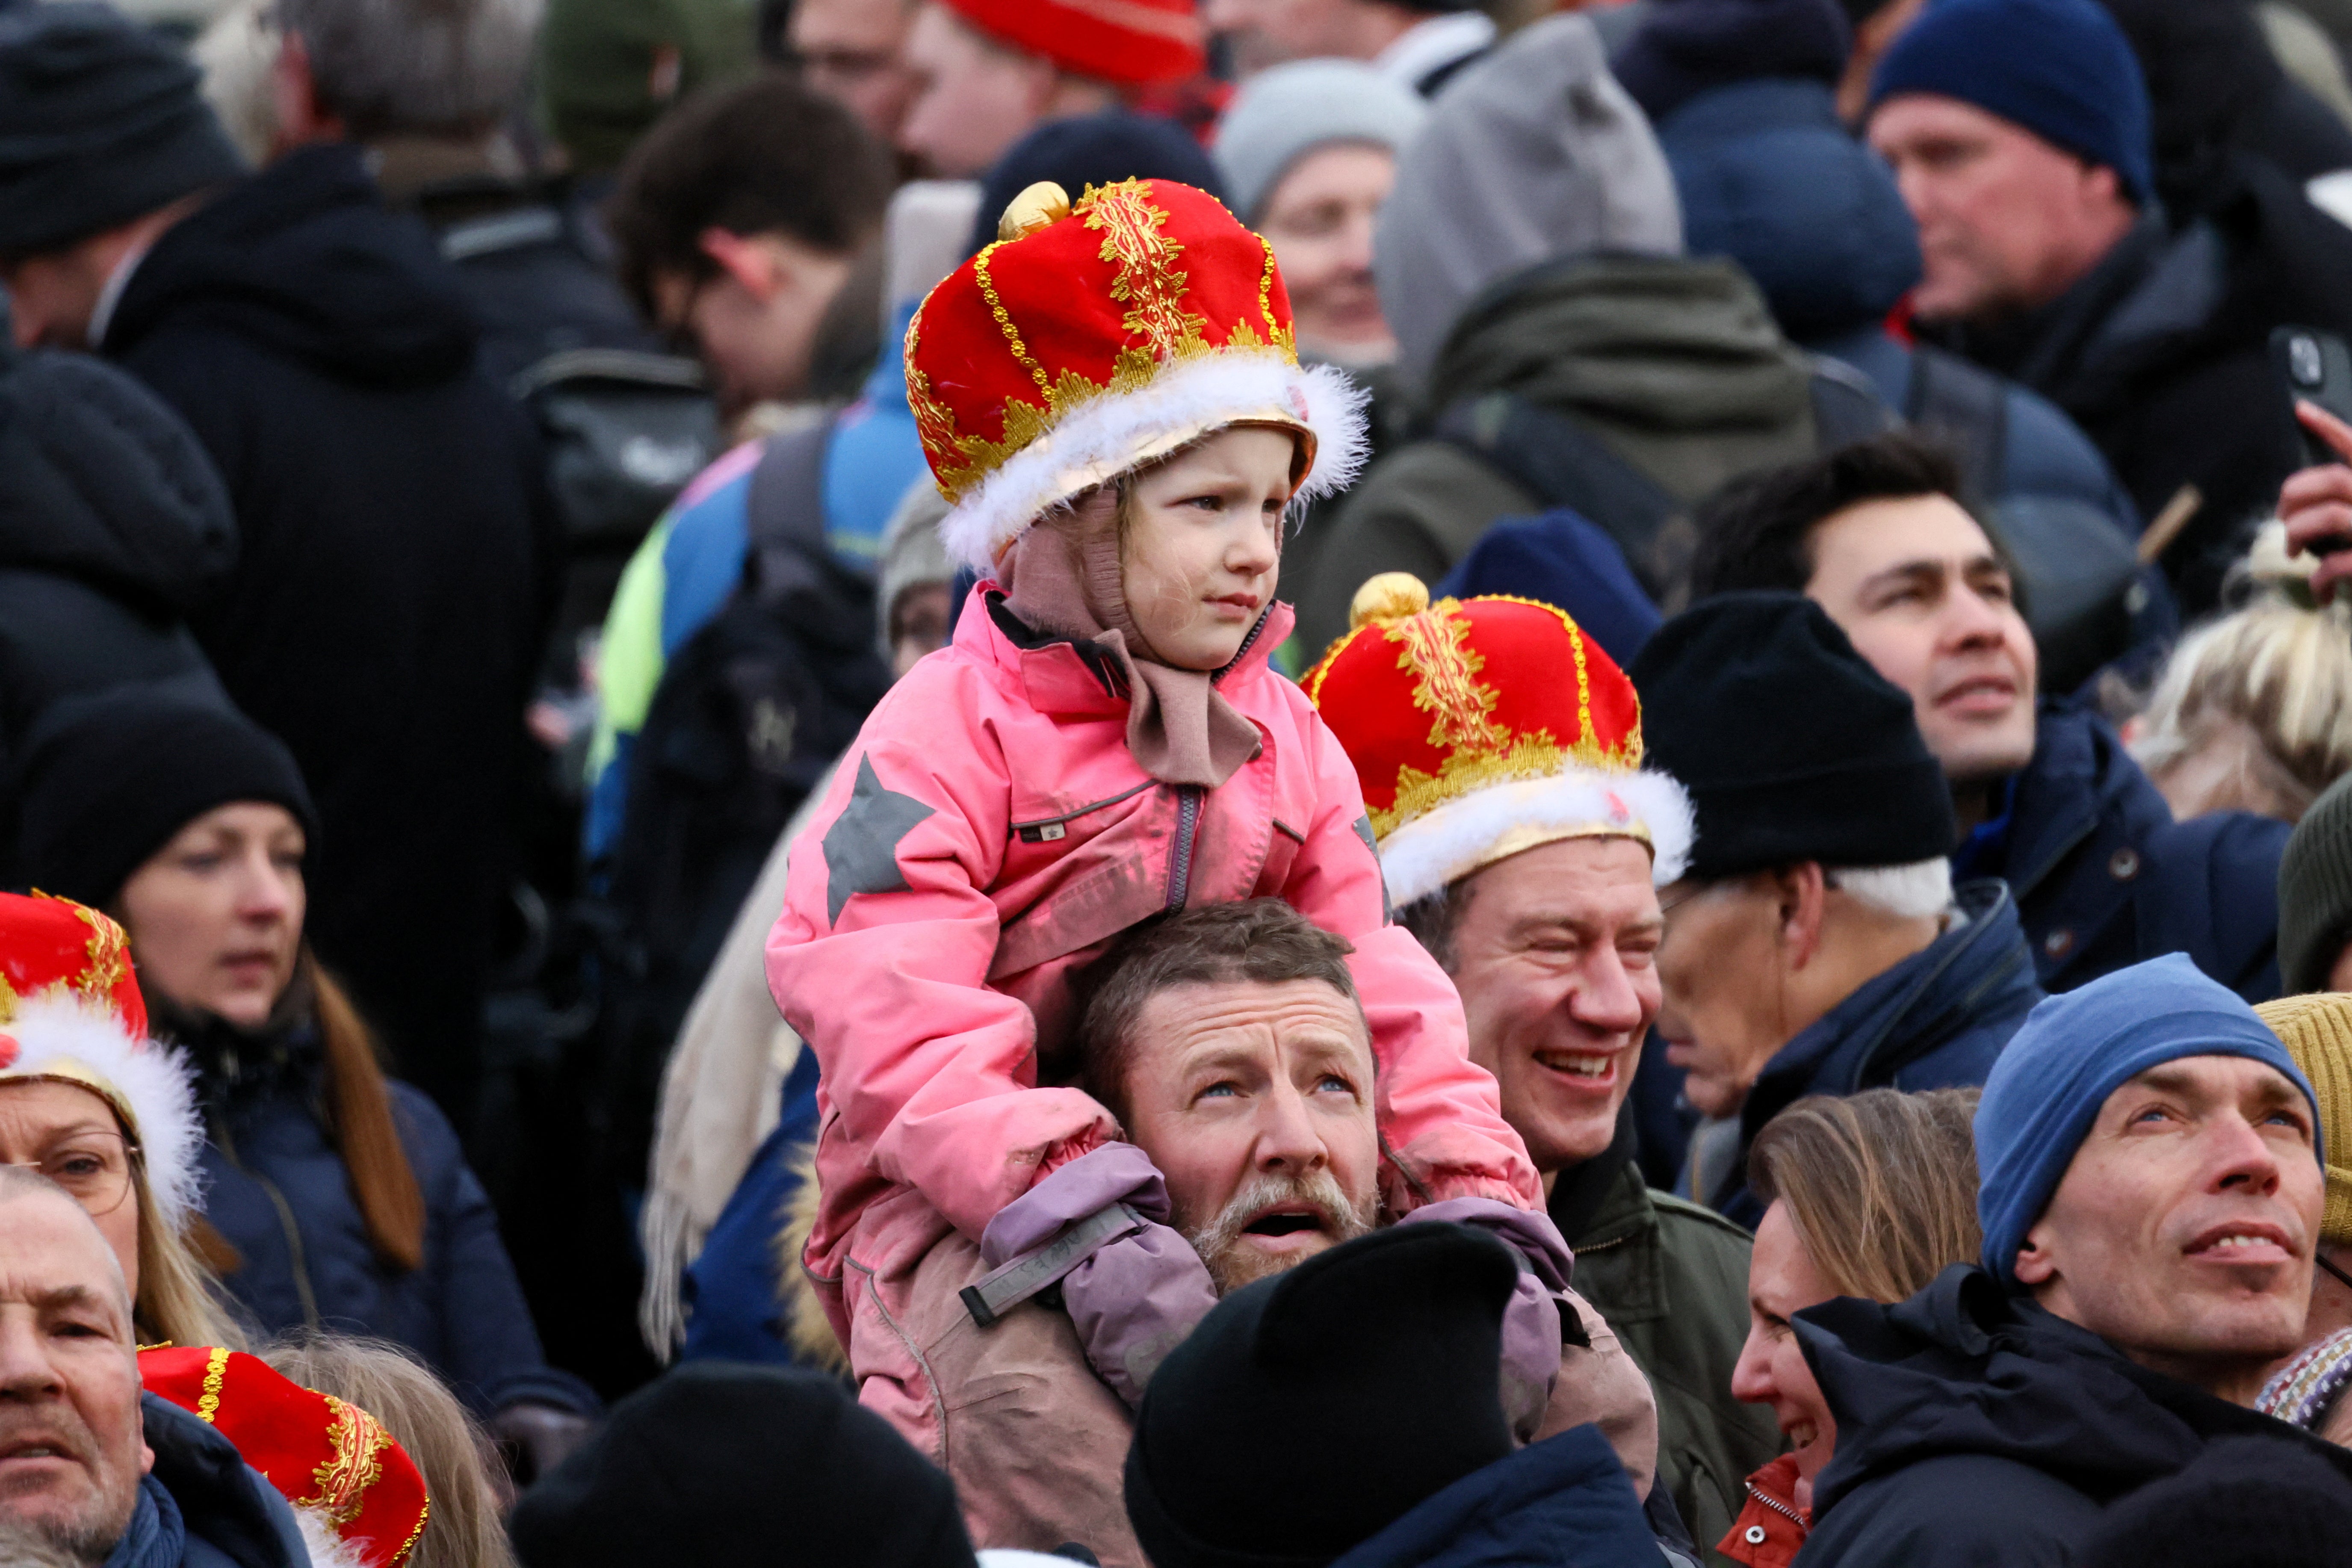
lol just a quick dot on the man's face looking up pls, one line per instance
(1555, 952)
(1914, 582)
(2182, 1230)
(1256, 1102)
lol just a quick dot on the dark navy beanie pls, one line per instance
(1687, 46)
(2061, 69)
(100, 122)
(2045, 1093)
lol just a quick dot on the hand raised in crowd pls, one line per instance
(2315, 503)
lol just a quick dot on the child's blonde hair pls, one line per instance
(449, 1447)
(2253, 711)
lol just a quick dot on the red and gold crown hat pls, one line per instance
(357, 1494)
(1484, 727)
(1097, 335)
(70, 1009)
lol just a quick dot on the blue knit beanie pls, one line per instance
(2077, 1050)
(2061, 69)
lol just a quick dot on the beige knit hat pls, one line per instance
(2317, 1032)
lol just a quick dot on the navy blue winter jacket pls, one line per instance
(1565, 1502)
(2104, 878)
(1937, 1020)
(279, 1193)
(202, 1505)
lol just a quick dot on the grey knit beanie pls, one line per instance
(1281, 115)
(2315, 891)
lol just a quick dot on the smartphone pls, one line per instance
(2316, 367)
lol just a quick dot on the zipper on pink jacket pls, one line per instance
(1179, 855)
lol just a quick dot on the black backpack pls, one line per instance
(751, 712)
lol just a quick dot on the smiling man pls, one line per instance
(2044, 794)
(2151, 1197)
(85, 1465)
(1525, 854)
(1817, 943)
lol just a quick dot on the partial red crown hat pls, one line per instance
(1099, 335)
(1128, 43)
(70, 1011)
(1481, 728)
(355, 1491)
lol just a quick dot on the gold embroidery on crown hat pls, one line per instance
(343, 1478)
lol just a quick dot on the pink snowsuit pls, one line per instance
(988, 833)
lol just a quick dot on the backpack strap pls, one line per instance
(1967, 407)
(1563, 465)
(785, 514)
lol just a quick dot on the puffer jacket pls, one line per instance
(988, 834)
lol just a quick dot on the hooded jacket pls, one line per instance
(2103, 877)
(1674, 366)
(397, 562)
(1937, 1020)
(113, 527)
(277, 1189)
(988, 833)
(1974, 1426)
(1672, 1280)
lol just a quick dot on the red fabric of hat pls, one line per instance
(1128, 43)
(49, 944)
(329, 1459)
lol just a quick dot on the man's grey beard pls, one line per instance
(42, 1542)
(1232, 1264)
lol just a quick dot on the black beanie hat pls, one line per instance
(1310, 1411)
(729, 1466)
(2246, 1502)
(1791, 746)
(109, 780)
(100, 122)
(2315, 891)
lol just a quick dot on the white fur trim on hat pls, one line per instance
(1450, 841)
(326, 1545)
(60, 1035)
(1109, 434)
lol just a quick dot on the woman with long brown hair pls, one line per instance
(1873, 1194)
(336, 1197)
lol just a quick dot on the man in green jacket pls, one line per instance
(1524, 844)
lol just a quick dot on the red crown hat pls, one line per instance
(357, 1494)
(1128, 43)
(1481, 727)
(1096, 336)
(70, 1009)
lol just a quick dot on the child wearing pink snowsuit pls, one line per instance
(1025, 795)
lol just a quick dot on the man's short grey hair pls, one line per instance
(1913, 891)
(423, 68)
(16, 1182)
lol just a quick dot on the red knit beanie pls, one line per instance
(1127, 43)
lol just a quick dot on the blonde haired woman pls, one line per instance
(1873, 1195)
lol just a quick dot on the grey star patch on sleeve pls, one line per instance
(1364, 831)
(861, 847)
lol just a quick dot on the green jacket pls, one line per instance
(1672, 1280)
(1675, 365)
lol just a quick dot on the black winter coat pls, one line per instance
(2104, 878)
(113, 527)
(1973, 1427)
(398, 561)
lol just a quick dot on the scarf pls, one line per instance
(1063, 579)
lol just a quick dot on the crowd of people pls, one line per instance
(1187, 784)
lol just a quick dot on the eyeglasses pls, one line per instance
(93, 1167)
